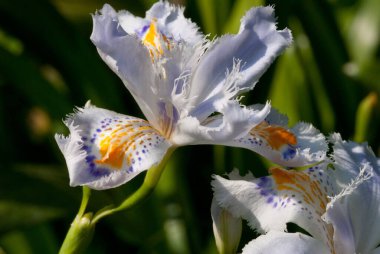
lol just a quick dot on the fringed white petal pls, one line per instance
(298, 146)
(275, 242)
(106, 149)
(172, 22)
(150, 55)
(356, 230)
(349, 157)
(355, 209)
(233, 122)
(269, 202)
(251, 51)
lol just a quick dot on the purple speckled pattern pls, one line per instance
(119, 130)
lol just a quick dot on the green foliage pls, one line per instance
(48, 66)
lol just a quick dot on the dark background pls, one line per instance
(329, 77)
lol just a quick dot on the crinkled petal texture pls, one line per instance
(179, 78)
(106, 149)
(298, 146)
(345, 223)
(171, 21)
(148, 54)
(275, 242)
(245, 55)
(269, 202)
(355, 211)
(230, 66)
(234, 121)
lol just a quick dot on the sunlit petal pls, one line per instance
(162, 58)
(349, 157)
(250, 52)
(269, 202)
(233, 122)
(275, 242)
(171, 21)
(355, 210)
(106, 149)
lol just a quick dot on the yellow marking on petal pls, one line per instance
(155, 41)
(311, 192)
(301, 183)
(276, 136)
(114, 146)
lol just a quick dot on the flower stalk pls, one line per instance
(81, 230)
(79, 235)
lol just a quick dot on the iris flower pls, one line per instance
(188, 89)
(337, 202)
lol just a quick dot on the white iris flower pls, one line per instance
(186, 86)
(337, 202)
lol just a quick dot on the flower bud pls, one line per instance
(227, 229)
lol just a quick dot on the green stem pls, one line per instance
(81, 230)
(85, 198)
(150, 182)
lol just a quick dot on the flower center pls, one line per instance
(168, 118)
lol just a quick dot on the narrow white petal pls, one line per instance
(254, 48)
(269, 202)
(106, 149)
(275, 242)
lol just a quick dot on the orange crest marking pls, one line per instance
(276, 136)
(301, 183)
(309, 189)
(120, 142)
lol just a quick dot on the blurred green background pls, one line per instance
(329, 77)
